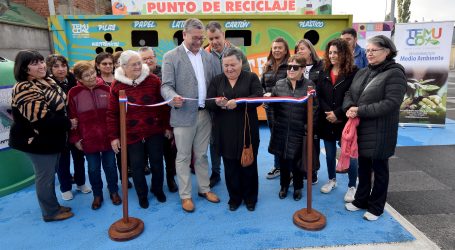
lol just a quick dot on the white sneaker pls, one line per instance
(370, 217)
(274, 172)
(331, 184)
(349, 196)
(84, 189)
(68, 195)
(350, 207)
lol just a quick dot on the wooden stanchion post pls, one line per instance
(308, 218)
(126, 228)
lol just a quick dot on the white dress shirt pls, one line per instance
(196, 62)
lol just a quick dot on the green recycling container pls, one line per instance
(16, 170)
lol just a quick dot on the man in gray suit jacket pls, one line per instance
(187, 71)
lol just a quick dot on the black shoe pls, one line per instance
(171, 185)
(143, 202)
(97, 202)
(314, 178)
(214, 179)
(233, 206)
(160, 196)
(283, 192)
(251, 206)
(297, 194)
(146, 170)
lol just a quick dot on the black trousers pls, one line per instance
(372, 195)
(241, 182)
(152, 147)
(170, 153)
(288, 166)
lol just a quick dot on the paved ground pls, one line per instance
(422, 184)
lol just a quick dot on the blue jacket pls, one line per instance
(360, 57)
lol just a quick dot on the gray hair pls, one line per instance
(212, 26)
(233, 52)
(193, 23)
(384, 42)
(145, 49)
(126, 56)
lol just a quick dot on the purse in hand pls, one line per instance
(247, 153)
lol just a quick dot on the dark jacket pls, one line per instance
(290, 120)
(269, 77)
(315, 71)
(40, 124)
(330, 97)
(157, 71)
(378, 92)
(66, 84)
(229, 124)
(89, 107)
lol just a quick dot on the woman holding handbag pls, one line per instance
(289, 125)
(236, 126)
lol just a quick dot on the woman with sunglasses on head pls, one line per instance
(290, 121)
(334, 81)
(375, 96)
(313, 67)
(40, 127)
(104, 65)
(274, 70)
(58, 69)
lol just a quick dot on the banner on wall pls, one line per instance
(424, 51)
(149, 7)
(367, 30)
(5, 117)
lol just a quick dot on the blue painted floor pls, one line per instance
(211, 226)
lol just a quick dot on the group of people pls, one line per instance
(54, 109)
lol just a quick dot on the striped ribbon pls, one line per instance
(237, 100)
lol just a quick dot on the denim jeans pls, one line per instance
(63, 170)
(152, 147)
(94, 161)
(330, 156)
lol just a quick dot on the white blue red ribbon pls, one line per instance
(237, 100)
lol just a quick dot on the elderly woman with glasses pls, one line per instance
(88, 102)
(145, 125)
(289, 125)
(375, 97)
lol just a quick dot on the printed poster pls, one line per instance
(424, 51)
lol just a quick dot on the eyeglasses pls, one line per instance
(148, 59)
(136, 64)
(106, 64)
(373, 51)
(89, 74)
(198, 38)
(294, 67)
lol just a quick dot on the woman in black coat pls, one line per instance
(40, 127)
(289, 126)
(334, 81)
(229, 119)
(375, 97)
(274, 70)
(313, 67)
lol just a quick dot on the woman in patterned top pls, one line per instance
(40, 127)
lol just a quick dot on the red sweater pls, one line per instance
(89, 106)
(141, 122)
